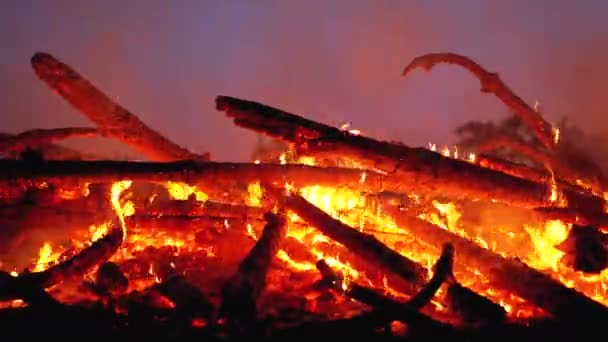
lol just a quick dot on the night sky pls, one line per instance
(332, 61)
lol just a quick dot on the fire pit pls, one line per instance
(341, 235)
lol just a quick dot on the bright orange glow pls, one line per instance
(181, 191)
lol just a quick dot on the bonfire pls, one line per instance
(341, 233)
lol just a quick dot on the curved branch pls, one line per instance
(105, 113)
(491, 83)
(443, 271)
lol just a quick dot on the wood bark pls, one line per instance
(491, 83)
(510, 274)
(416, 169)
(110, 117)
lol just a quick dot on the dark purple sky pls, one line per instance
(333, 61)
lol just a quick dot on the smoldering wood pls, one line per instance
(110, 117)
(533, 286)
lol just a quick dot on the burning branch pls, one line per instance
(241, 292)
(388, 307)
(99, 251)
(491, 83)
(414, 169)
(364, 245)
(531, 285)
(110, 117)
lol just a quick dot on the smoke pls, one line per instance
(331, 61)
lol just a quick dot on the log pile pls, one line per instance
(237, 248)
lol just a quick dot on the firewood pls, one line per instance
(510, 274)
(416, 169)
(491, 83)
(364, 245)
(381, 303)
(38, 137)
(242, 290)
(110, 117)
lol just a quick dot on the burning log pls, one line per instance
(14, 173)
(491, 83)
(415, 169)
(38, 137)
(579, 199)
(110, 117)
(569, 168)
(388, 307)
(241, 292)
(529, 284)
(364, 245)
